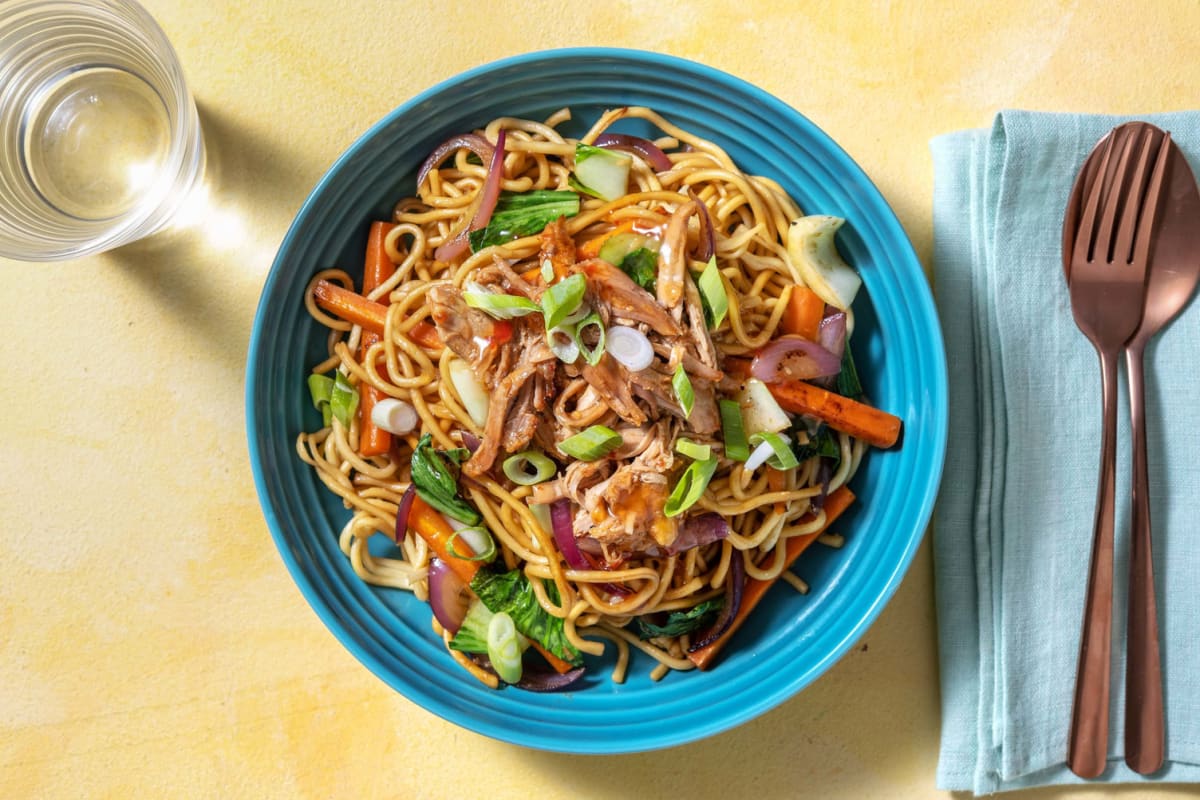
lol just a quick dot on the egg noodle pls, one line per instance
(763, 508)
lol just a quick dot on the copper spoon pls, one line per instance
(1107, 234)
(1174, 273)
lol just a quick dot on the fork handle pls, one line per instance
(1087, 747)
(1143, 673)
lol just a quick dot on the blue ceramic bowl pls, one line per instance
(790, 639)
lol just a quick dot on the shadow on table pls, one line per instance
(207, 270)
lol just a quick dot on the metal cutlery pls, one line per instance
(1107, 239)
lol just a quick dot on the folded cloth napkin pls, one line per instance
(1013, 527)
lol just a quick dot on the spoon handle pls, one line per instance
(1087, 747)
(1143, 675)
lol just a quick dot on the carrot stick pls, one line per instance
(437, 533)
(377, 268)
(803, 313)
(859, 420)
(559, 665)
(591, 248)
(350, 306)
(840, 413)
(837, 502)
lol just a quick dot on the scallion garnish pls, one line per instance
(562, 298)
(588, 445)
(684, 392)
(504, 647)
(591, 355)
(774, 449)
(476, 537)
(693, 450)
(498, 305)
(712, 289)
(547, 270)
(737, 447)
(690, 487)
(321, 389)
(528, 468)
(343, 400)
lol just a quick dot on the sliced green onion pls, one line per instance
(547, 270)
(774, 449)
(562, 298)
(500, 306)
(321, 389)
(477, 538)
(528, 468)
(591, 355)
(737, 447)
(562, 343)
(504, 647)
(694, 450)
(691, 486)
(343, 401)
(712, 289)
(591, 444)
(682, 385)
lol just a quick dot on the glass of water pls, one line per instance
(100, 141)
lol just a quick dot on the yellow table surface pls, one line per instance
(151, 641)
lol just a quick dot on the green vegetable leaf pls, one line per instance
(823, 443)
(678, 623)
(594, 442)
(512, 593)
(642, 266)
(472, 633)
(437, 481)
(520, 214)
(847, 383)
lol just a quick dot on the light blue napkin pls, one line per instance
(1013, 526)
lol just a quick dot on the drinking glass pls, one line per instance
(100, 142)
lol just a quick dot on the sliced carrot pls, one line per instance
(377, 268)
(840, 413)
(859, 420)
(437, 533)
(591, 248)
(350, 306)
(837, 502)
(803, 314)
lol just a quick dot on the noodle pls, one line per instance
(750, 216)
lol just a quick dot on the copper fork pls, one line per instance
(1106, 275)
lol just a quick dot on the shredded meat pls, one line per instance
(502, 399)
(557, 247)
(655, 388)
(672, 258)
(614, 294)
(611, 382)
(465, 330)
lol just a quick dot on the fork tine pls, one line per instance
(1139, 195)
(1116, 195)
(1145, 228)
(1082, 251)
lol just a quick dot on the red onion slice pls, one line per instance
(534, 678)
(488, 195)
(832, 333)
(733, 603)
(448, 595)
(698, 531)
(471, 141)
(645, 148)
(470, 441)
(564, 534)
(805, 360)
(403, 510)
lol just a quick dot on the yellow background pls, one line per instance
(151, 642)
